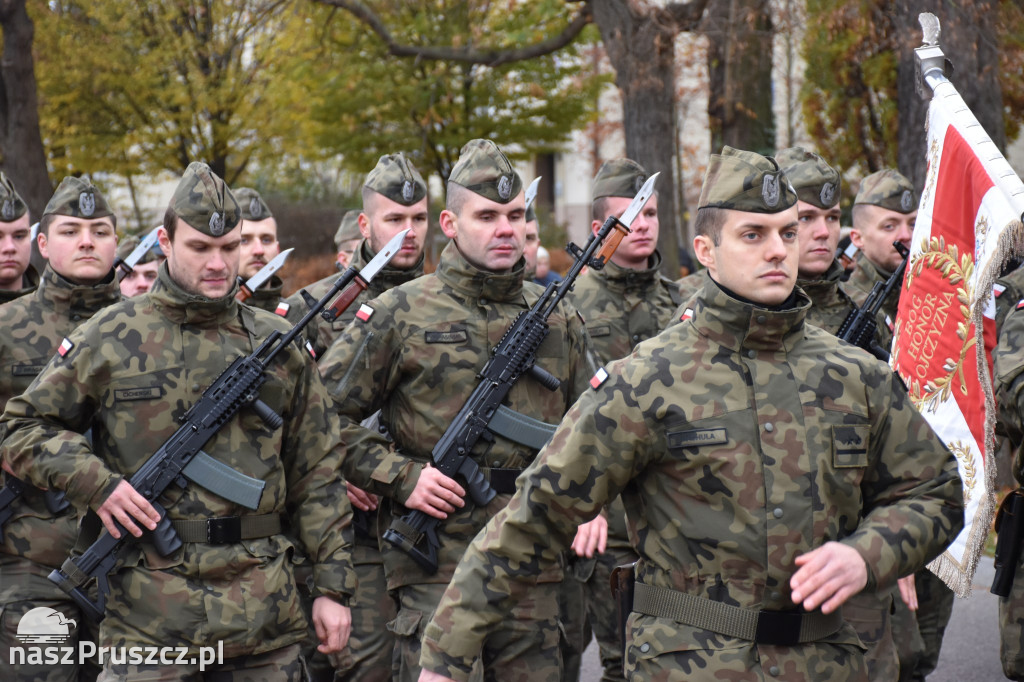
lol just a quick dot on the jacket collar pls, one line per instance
(66, 297)
(184, 308)
(738, 325)
(473, 283)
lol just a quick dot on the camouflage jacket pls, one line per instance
(829, 303)
(738, 440)
(691, 285)
(30, 279)
(1008, 363)
(623, 307)
(859, 286)
(414, 354)
(321, 333)
(31, 328)
(129, 373)
(268, 296)
(1008, 292)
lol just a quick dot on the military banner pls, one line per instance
(968, 225)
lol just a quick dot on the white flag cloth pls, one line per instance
(968, 225)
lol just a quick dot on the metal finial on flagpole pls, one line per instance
(932, 66)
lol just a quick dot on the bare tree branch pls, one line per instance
(491, 58)
(686, 15)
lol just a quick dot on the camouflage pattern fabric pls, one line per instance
(268, 296)
(323, 334)
(723, 489)
(745, 181)
(12, 206)
(414, 353)
(1008, 292)
(689, 287)
(280, 665)
(829, 303)
(1011, 627)
(205, 202)
(397, 179)
(889, 189)
(78, 198)
(31, 281)
(815, 182)
(918, 634)
(859, 286)
(621, 307)
(129, 373)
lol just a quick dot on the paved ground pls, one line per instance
(970, 650)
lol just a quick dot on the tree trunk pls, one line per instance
(969, 41)
(21, 143)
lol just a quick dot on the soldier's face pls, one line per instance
(140, 279)
(637, 246)
(201, 265)
(383, 218)
(78, 249)
(819, 236)
(489, 235)
(344, 257)
(259, 245)
(15, 251)
(530, 247)
(757, 255)
(876, 228)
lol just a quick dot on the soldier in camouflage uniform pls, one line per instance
(143, 274)
(17, 276)
(627, 302)
(130, 372)
(884, 211)
(259, 247)
(347, 238)
(765, 466)
(414, 353)
(78, 237)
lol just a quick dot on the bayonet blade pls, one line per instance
(531, 192)
(639, 201)
(383, 256)
(257, 280)
(147, 243)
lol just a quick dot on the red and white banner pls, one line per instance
(968, 224)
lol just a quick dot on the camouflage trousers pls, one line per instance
(371, 644)
(24, 587)
(870, 614)
(662, 650)
(1011, 628)
(918, 635)
(525, 649)
(279, 665)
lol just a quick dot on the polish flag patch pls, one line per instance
(365, 312)
(889, 323)
(64, 347)
(309, 349)
(599, 378)
(1020, 304)
(687, 314)
(998, 289)
(282, 308)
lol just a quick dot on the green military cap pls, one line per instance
(348, 229)
(397, 179)
(815, 181)
(12, 206)
(619, 178)
(204, 201)
(889, 189)
(78, 198)
(745, 181)
(252, 204)
(126, 245)
(485, 170)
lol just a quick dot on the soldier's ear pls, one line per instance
(449, 224)
(364, 225)
(704, 250)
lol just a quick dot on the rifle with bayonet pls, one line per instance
(861, 323)
(246, 288)
(515, 355)
(125, 266)
(237, 386)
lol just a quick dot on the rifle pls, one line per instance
(237, 386)
(860, 324)
(1009, 536)
(515, 355)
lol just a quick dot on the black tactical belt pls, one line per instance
(778, 628)
(225, 530)
(502, 480)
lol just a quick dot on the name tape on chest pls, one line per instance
(697, 437)
(364, 313)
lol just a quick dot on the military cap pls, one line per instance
(619, 178)
(12, 206)
(485, 170)
(815, 181)
(127, 245)
(397, 179)
(204, 201)
(252, 204)
(78, 198)
(745, 181)
(889, 189)
(348, 229)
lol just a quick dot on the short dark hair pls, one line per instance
(599, 208)
(47, 220)
(170, 222)
(709, 222)
(456, 199)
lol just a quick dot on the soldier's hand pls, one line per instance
(333, 624)
(427, 676)
(126, 505)
(908, 591)
(361, 499)
(828, 576)
(435, 494)
(592, 535)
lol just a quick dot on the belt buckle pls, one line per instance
(225, 530)
(778, 628)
